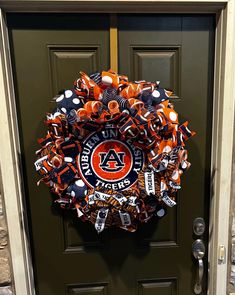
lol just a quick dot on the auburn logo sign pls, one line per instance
(112, 161)
(108, 162)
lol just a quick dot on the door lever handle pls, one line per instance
(198, 284)
(198, 249)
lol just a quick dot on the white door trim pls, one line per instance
(11, 179)
(222, 139)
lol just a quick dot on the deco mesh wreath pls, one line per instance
(114, 151)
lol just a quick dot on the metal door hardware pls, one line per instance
(198, 250)
(199, 226)
(221, 254)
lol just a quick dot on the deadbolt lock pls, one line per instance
(199, 226)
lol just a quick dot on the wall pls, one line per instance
(6, 280)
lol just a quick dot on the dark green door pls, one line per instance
(48, 51)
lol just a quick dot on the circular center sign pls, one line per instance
(108, 162)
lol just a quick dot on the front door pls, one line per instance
(48, 51)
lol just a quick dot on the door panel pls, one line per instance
(165, 60)
(162, 287)
(66, 60)
(178, 51)
(69, 256)
(48, 53)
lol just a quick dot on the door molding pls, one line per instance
(222, 131)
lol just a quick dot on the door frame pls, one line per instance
(222, 132)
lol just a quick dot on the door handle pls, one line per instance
(198, 250)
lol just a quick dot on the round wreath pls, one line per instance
(114, 150)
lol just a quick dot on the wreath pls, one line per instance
(114, 150)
